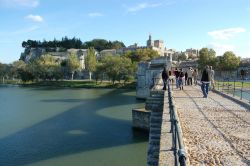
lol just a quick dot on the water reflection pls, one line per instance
(78, 129)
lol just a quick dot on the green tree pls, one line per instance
(16, 68)
(182, 57)
(118, 68)
(47, 67)
(3, 71)
(72, 64)
(229, 61)
(90, 61)
(127, 69)
(111, 64)
(141, 54)
(99, 72)
(206, 57)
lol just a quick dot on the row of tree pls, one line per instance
(46, 67)
(67, 43)
(227, 62)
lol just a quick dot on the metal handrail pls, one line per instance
(229, 86)
(178, 145)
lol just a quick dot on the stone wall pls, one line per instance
(149, 74)
(141, 119)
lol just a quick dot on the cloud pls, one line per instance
(142, 6)
(220, 49)
(95, 14)
(35, 18)
(19, 3)
(226, 34)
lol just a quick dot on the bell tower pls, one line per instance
(150, 42)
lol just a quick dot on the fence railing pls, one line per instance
(240, 88)
(178, 145)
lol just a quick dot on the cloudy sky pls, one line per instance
(223, 25)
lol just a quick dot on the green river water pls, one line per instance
(69, 127)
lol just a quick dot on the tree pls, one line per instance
(16, 68)
(99, 72)
(111, 66)
(3, 71)
(73, 64)
(127, 69)
(117, 45)
(118, 68)
(90, 61)
(229, 61)
(47, 67)
(206, 57)
(182, 57)
(141, 54)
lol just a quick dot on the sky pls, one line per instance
(223, 25)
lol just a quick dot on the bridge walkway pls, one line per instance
(216, 130)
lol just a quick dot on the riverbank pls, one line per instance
(76, 84)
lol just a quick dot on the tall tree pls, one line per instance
(90, 61)
(141, 55)
(16, 68)
(118, 68)
(73, 64)
(206, 57)
(229, 61)
(182, 57)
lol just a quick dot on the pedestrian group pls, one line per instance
(190, 77)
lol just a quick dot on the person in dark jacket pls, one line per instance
(205, 81)
(165, 76)
(177, 74)
(186, 78)
(181, 79)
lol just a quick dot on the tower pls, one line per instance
(150, 42)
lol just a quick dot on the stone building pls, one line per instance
(192, 53)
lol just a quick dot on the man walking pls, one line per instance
(212, 77)
(205, 80)
(165, 76)
(190, 75)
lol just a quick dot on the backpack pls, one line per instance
(181, 74)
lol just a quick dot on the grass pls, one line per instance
(76, 84)
(231, 84)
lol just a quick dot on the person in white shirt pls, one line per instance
(212, 77)
(190, 76)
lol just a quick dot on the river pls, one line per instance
(61, 127)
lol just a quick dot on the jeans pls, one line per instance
(177, 82)
(190, 81)
(204, 88)
(165, 84)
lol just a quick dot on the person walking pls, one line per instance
(180, 80)
(186, 77)
(205, 80)
(212, 77)
(195, 75)
(165, 77)
(190, 75)
(177, 74)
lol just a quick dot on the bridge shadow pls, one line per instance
(78, 129)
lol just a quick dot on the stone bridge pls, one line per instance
(215, 130)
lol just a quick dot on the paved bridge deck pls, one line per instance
(216, 130)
